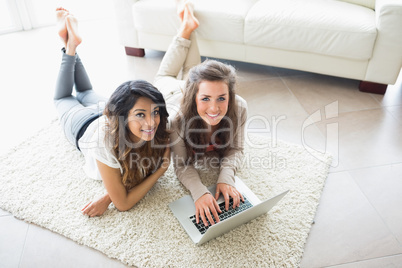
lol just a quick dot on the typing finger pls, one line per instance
(217, 208)
(226, 196)
(236, 200)
(209, 216)
(204, 219)
(217, 193)
(215, 214)
(241, 197)
(197, 216)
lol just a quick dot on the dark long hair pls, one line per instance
(196, 141)
(148, 154)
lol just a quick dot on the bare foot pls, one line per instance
(189, 13)
(180, 4)
(61, 14)
(190, 22)
(74, 39)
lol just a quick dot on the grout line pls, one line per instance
(361, 261)
(376, 210)
(291, 93)
(339, 113)
(239, 81)
(7, 213)
(361, 168)
(23, 248)
(375, 99)
(391, 114)
(345, 112)
(364, 110)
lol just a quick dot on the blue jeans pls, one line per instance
(75, 111)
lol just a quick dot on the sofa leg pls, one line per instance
(371, 87)
(137, 52)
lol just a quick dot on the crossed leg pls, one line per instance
(181, 55)
(73, 112)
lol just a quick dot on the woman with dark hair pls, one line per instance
(125, 142)
(209, 122)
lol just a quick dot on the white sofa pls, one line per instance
(357, 39)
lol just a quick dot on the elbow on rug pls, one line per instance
(123, 207)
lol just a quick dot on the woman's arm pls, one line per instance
(185, 172)
(233, 160)
(117, 193)
(205, 204)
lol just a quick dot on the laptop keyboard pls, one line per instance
(224, 215)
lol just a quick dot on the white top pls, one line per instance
(94, 147)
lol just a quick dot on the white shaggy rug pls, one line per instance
(42, 182)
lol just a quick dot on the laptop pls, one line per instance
(252, 207)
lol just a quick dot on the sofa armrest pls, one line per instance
(388, 15)
(386, 61)
(125, 22)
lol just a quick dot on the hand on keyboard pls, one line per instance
(206, 207)
(228, 192)
(202, 228)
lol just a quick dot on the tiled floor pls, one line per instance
(358, 222)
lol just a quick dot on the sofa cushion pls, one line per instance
(222, 20)
(155, 16)
(365, 3)
(324, 27)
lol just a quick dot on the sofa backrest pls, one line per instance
(365, 3)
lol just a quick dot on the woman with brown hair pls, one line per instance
(125, 142)
(209, 122)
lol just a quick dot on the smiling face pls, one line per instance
(212, 101)
(143, 120)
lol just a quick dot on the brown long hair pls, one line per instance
(189, 119)
(148, 154)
